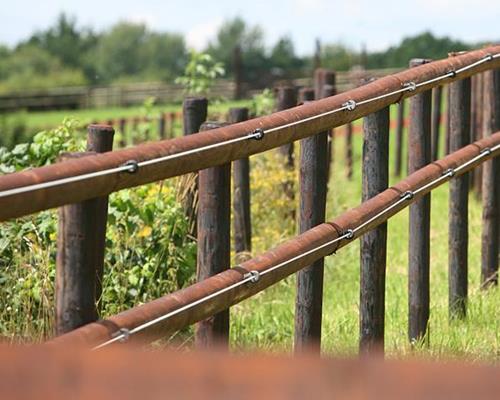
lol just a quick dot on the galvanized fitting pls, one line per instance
(258, 134)
(133, 166)
(410, 86)
(408, 195)
(488, 57)
(450, 172)
(350, 105)
(123, 334)
(253, 275)
(452, 73)
(486, 151)
(349, 234)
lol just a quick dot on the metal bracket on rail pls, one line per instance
(133, 166)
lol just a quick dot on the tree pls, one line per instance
(121, 51)
(31, 67)
(424, 45)
(235, 33)
(167, 55)
(66, 42)
(283, 60)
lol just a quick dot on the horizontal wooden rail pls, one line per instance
(367, 214)
(17, 205)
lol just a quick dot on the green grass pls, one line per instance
(266, 321)
(48, 119)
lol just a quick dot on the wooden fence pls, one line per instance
(137, 93)
(80, 187)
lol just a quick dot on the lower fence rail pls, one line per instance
(175, 311)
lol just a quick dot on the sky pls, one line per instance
(377, 24)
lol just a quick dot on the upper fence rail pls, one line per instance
(73, 181)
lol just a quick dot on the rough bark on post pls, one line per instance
(213, 241)
(491, 179)
(241, 194)
(420, 211)
(81, 243)
(478, 130)
(287, 98)
(313, 172)
(400, 122)
(460, 126)
(436, 120)
(348, 150)
(373, 245)
(325, 86)
(447, 131)
(194, 113)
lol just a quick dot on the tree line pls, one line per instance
(66, 55)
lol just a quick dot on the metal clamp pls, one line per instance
(350, 105)
(450, 172)
(486, 151)
(452, 73)
(408, 195)
(133, 166)
(488, 57)
(349, 234)
(124, 333)
(410, 86)
(258, 134)
(254, 276)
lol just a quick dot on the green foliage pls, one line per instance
(148, 250)
(200, 73)
(263, 103)
(44, 149)
(424, 45)
(131, 50)
(31, 67)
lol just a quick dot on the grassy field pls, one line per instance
(266, 321)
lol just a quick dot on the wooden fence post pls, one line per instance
(420, 211)
(173, 119)
(478, 130)
(80, 248)
(436, 121)
(348, 150)
(213, 241)
(122, 127)
(194, 113)
(241, 193)
(460, 127)
(325, 86)
(313, 172)
(400, 123)
(447, 131)
(373, 245)
(491, 179)
(287, 98)
(161, 126)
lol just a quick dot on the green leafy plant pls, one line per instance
(44, 149)
(149, 252)
(200, 74)
(263, 103)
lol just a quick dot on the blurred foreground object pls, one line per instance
(50, 373)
